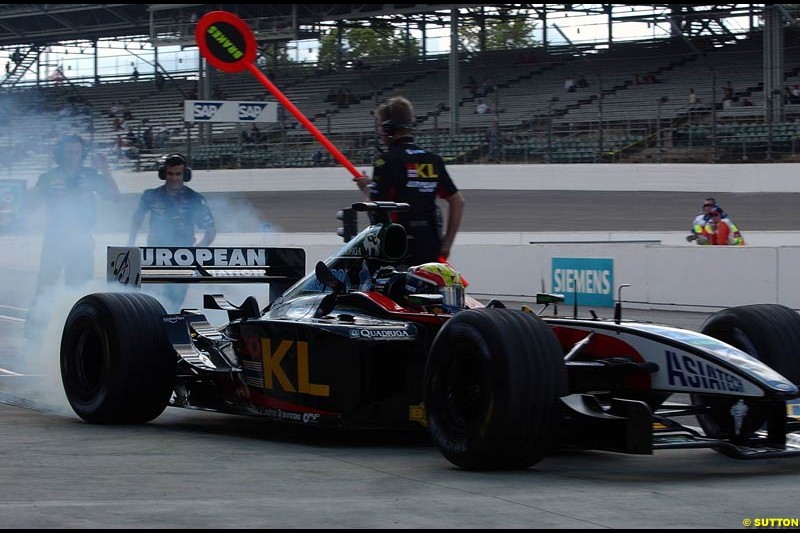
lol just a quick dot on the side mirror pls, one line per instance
(349, 229)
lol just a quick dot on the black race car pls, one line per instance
(367, 342)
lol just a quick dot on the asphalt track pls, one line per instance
(192, 469)
(489, 210)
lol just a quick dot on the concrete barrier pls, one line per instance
(661, 276)
(663, 270)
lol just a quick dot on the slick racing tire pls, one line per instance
(768, 332)
(492, 385)
(117, 366)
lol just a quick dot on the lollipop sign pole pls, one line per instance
(229, 45)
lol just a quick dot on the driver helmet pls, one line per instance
(437, 278)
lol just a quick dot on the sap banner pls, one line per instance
(591, 280)
(229, 111)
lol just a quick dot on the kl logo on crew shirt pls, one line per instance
(421, 170)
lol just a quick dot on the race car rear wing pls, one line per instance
(133, 265)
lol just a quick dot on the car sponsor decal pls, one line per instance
(686, 371)
(725, 352)
(122, 266)
(275, 357)
(381, 334)
(719, 369)
(228, 257)
(683, 371)
(416, 413)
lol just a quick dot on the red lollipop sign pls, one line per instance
(227, 43)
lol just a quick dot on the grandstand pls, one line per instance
(633, 106)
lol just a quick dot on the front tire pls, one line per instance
(492, 385)
(768, 332)
(117, 366)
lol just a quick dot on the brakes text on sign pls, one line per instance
(219, 36)
(591, 280)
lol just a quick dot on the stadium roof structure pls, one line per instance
(47, 24)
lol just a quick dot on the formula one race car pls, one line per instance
(367, 342)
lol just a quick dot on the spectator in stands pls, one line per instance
(160, 81)
(57, 76)
(67, 193)
(162, 134)
(115, 110)
(727, 91)
(485, 88)
(255, 134)
(727, 103)
(405, 172)
(175, 212)
(569, 84)
(147, 135)
(581, 83)
(471, 86)
(692, 98)
(493, 140)
(135, 74)
(331, 96)
(746, 102)
(481, 107)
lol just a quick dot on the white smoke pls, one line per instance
(35, 356)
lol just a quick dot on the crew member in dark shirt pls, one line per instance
(407, 173)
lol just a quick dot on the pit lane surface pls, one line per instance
(191, 469)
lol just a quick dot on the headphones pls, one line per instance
(68, 139)
(173, 160)
(389, 126)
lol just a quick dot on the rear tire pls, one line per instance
(117, 365)
(492, 385)
(768, 332)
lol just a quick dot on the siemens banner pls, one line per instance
(229, 111)
(591, 280)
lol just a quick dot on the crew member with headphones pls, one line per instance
(176, 211)
(407, 173)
